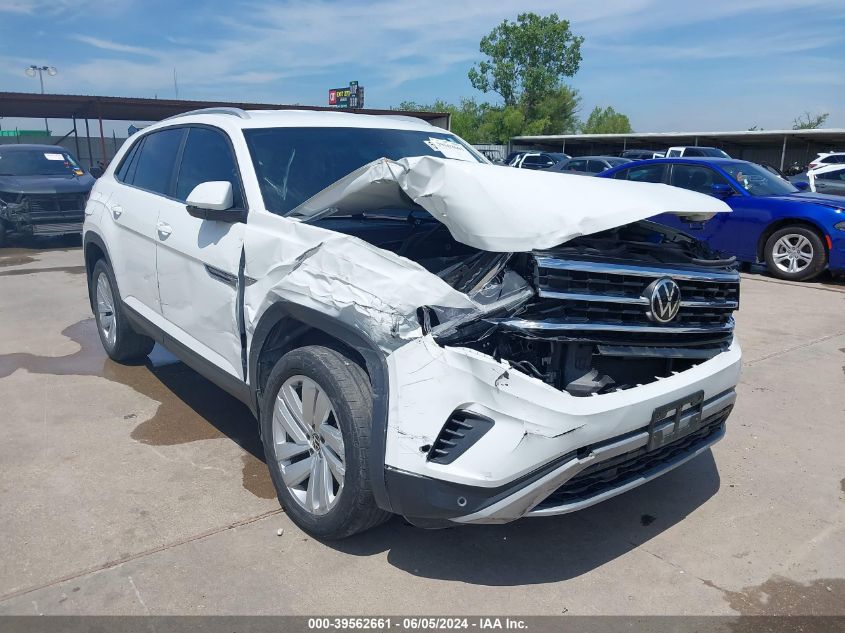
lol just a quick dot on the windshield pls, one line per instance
(757, 180)
(40, 162)
(292, 164)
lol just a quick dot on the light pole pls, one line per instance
(50, 70)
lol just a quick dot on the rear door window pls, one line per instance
(644, 173)
(156, 161)
(576, 165)
(208, 157)
(596, 166)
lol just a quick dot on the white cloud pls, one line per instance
(290, 50)
(108, 45)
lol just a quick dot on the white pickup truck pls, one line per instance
(417, 331)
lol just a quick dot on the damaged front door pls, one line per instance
(198, 260)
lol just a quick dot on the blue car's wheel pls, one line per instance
(796, 253)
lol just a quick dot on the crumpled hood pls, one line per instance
(47, 184)
(502, 209)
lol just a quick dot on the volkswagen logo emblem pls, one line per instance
(664, 300)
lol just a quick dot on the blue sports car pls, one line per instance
(796, 233)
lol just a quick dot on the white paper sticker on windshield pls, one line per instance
(450, 149)
(50, 156)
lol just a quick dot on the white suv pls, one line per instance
(416, 330)
(825, 159)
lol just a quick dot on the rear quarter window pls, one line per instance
(157, 159)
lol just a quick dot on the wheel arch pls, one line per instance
(781, 223)
(93, 249)
(286, 326)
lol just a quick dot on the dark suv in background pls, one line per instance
(43, 191)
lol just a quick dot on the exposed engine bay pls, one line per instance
(581, 316)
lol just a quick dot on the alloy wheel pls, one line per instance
(105, 310)
(792, 253)
(308, 444)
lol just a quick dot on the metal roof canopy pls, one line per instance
(772, 146)
(642, 139)
(55, 106)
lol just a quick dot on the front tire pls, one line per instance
(120, 341)
(316, 419)
(795, 253)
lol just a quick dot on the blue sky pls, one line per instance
(669, 65)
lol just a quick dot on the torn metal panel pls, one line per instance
(374, 290)
(499, 209)
(534, 422)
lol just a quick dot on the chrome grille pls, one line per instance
(605, 302)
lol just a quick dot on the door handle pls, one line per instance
(164, 230)
(116, 210)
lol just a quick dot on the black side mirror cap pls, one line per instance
(230, 216)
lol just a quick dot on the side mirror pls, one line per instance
(801, 185)
(212, 201)
(721, 191)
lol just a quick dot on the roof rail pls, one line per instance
(405, 117)
(238, 112)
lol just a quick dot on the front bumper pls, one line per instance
(542, 438)
(37, 220)
(836, 259)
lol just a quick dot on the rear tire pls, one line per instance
(318, 455)
(120, 341)
(796, 253)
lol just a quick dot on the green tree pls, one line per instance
(527, 59)
(555, 113)
(809, 121)
(498, 125)
(466, 117)
(606, 121)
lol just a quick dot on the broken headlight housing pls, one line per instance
(7, 200)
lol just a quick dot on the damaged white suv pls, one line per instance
(417, 331)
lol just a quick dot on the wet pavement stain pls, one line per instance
(842, 485)
(256, 479)
(72, 270)
(647, 519)
(191, 408)
(783, 596)
(15, 257)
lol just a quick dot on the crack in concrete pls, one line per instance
(794, 348)
(138, 555)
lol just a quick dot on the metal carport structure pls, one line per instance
(103, 108)
(777, 147)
